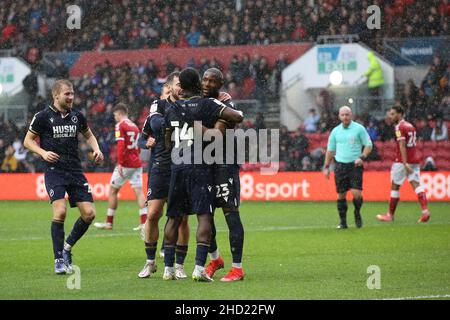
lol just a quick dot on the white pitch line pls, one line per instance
(420, 297)
(247, 229)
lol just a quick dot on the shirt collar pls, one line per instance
(52, 107)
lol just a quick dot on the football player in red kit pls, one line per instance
(129, 167)
(406, 165)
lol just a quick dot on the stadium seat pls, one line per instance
(419, 144)
(443, 145)
(429, 145)
(442, 164)
(442, 153)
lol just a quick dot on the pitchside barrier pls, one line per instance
(284, 186)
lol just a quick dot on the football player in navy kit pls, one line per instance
(57, 128)
(159, 180)
(191, 184)
(227, 184)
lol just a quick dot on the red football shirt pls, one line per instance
(406, 131)
(127, 134)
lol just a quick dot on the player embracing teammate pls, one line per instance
(192, 184)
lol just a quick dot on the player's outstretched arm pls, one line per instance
(31, 144)
(92, 141)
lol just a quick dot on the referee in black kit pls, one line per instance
(345, 144)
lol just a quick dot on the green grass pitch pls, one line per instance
(292, 251)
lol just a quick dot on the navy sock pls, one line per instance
(342, 209)
(202, 254)
(150, 250)
(79, 229)
(169, 255)
(236, 235)
(358, 204)
(181, 252)
(213, 245)
(57, 231)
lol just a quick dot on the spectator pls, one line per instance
(311, 121)
(10, 163)
(440, 132)
(425, 133)
(372, 130)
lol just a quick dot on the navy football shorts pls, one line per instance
(58, 182)
(227, 186)
(191, 191)
(158, 183)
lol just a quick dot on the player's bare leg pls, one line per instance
(395, 198)
(57, 231)
(182, 248)
(422, 197)
(113, 203)
(342, 209)
(151, 235)
(142, 210)
(87, 215)
(357, 203)
(170, 240)
(203, 242)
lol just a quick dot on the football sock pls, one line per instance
(342, 209)
(214, 255)
(57, 231)
(150, 250)
(358, 202)
(213, 242)
(181, 252)
(201, 254)
(421, 195)
(169, 255)
(236, 235)
(395, 198)
(79, 229)
(143, 215)
(110, 215)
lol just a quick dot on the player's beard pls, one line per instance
(66, 105)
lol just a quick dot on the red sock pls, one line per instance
(393, 205)
(423, 201)
(143, 217)
(109, 219)
(395, 198)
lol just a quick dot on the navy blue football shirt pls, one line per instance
(59, 133)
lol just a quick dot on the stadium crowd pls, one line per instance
(31, 27)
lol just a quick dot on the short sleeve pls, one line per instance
(157, 123)
(83, 123)
(365, 138)
(146, 129)
(332, 142)
(399, 134)
(118, 133)
(214, 109)
(37, 124)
